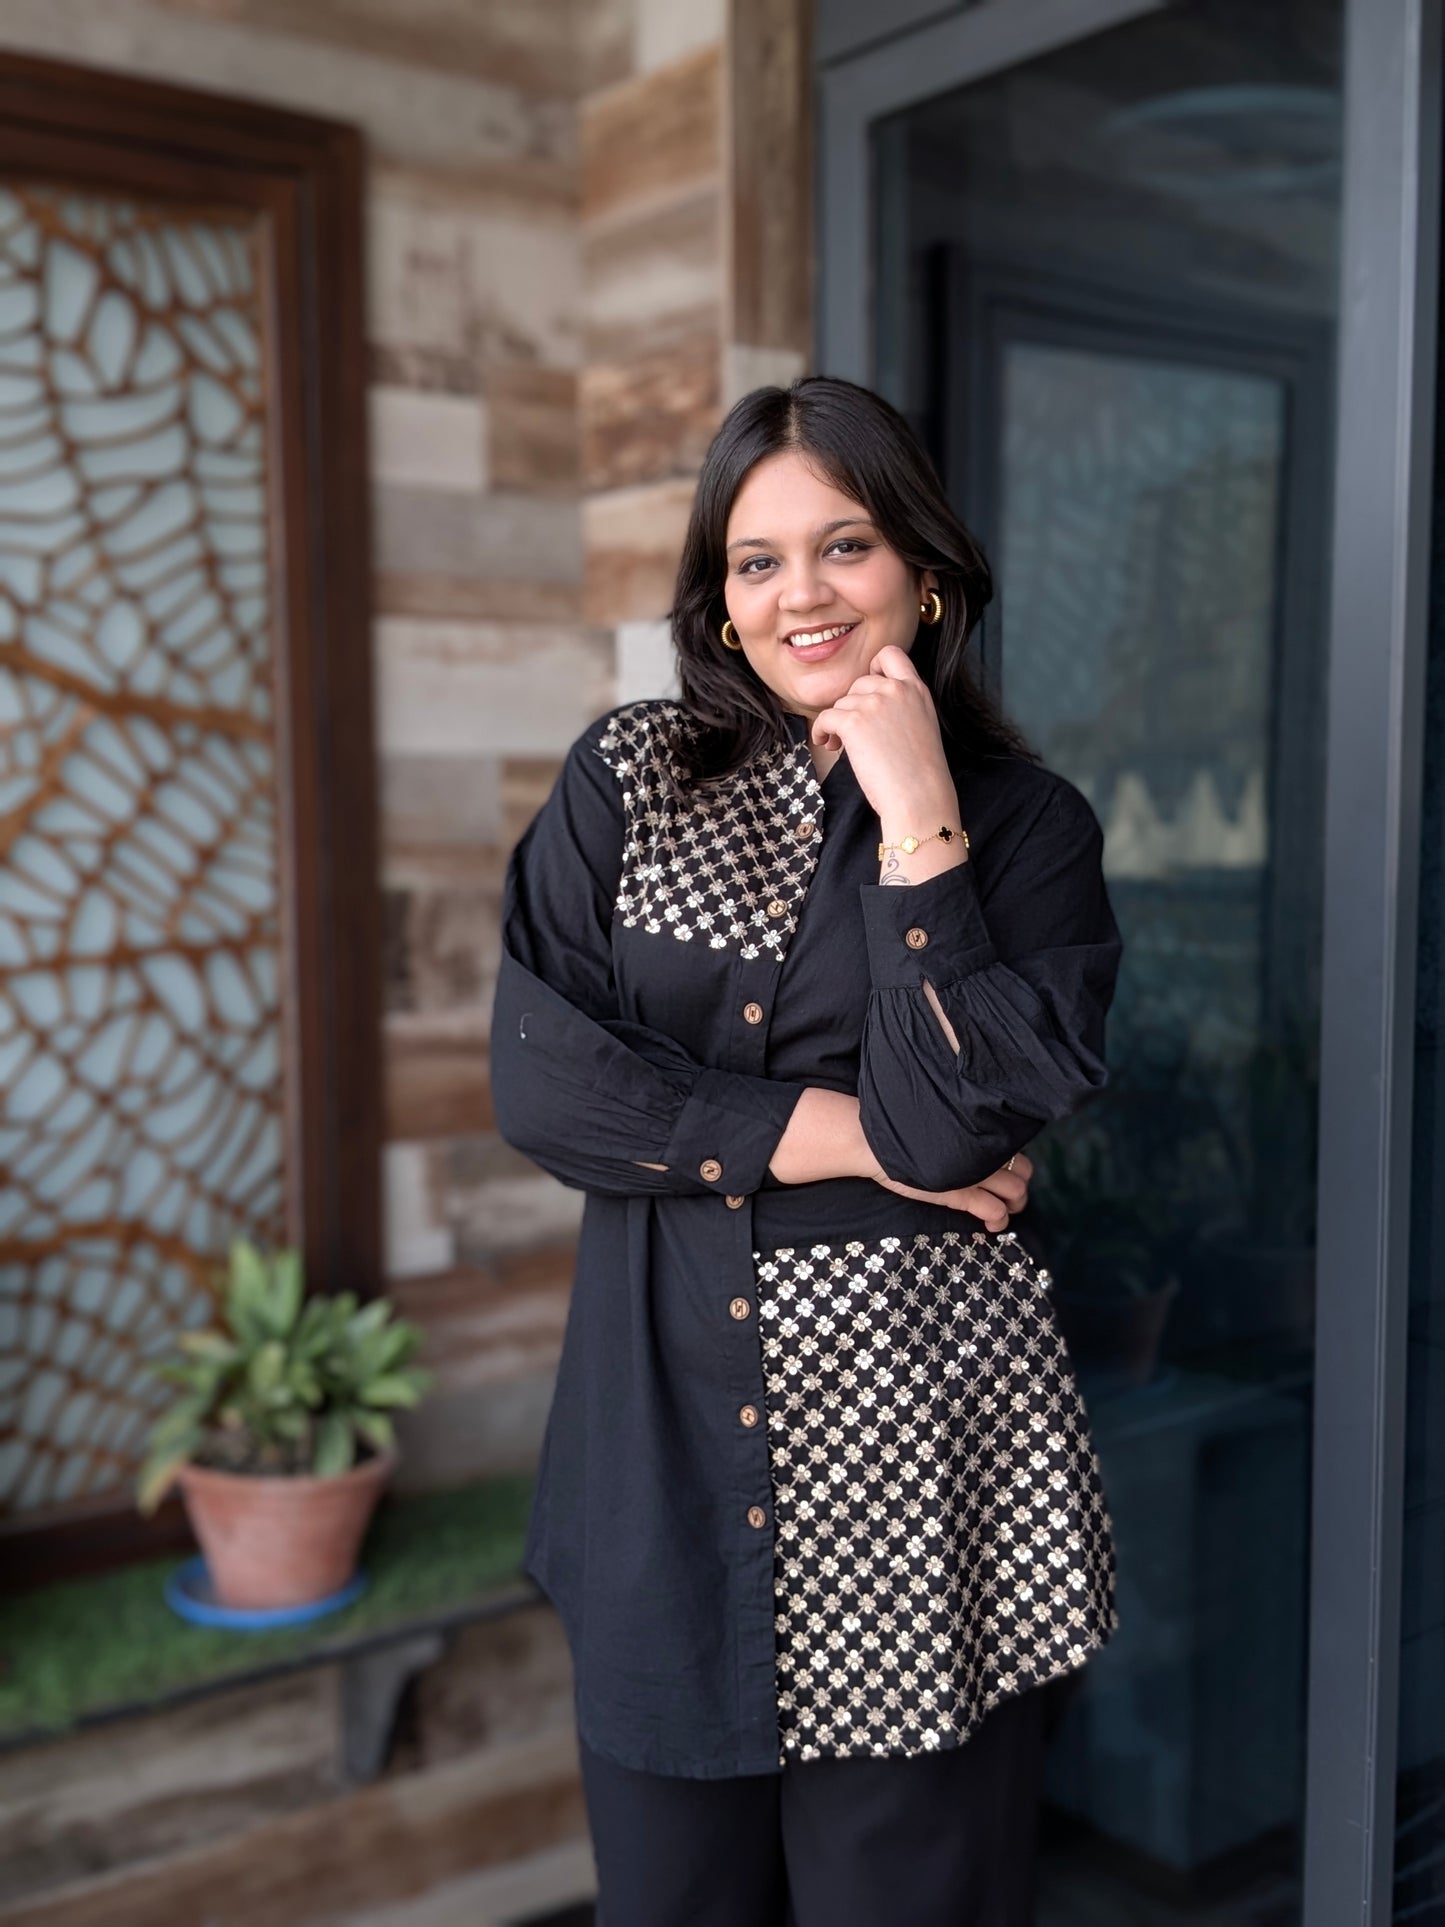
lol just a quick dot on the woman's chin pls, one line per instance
(823, 683)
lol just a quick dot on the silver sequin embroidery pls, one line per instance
(709, 870)
(941, 1533)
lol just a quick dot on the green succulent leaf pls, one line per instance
(267, 1368)
(178, 1423)
(377, 1429)
(158, 1473)
(396, 1388)
(247, 1298)
(304, 1384)
(286, 1290)
(335, 1445)
(370, 1318)
(211, 1346)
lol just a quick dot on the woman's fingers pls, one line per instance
(1011, 1185)
(982, 1203)
(993, 1201)
(894, 663)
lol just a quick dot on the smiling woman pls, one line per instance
(794, 968)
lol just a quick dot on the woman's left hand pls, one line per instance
(993, 1200)
(887, 723)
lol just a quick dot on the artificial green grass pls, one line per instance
(85, 1646)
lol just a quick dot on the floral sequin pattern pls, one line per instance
(941, 1533)
(728, 872)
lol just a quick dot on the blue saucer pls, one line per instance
(189, 1593)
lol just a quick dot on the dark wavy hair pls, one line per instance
(865, 448)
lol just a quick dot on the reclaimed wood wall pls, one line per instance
(587, 233)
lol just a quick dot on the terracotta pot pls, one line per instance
(273, 1542)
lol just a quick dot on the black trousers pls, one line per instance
(944, 1840)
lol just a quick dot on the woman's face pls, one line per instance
(813, 591)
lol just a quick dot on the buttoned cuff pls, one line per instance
(728, 1130)
(934, 929)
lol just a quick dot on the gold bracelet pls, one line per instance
(911, 843)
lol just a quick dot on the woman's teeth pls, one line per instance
(806, 640)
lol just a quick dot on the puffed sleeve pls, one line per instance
(589, 1096)
(1023, 968)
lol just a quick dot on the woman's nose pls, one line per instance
(804, 588)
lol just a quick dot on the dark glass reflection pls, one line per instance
(1106, 292)
(1420, 1784)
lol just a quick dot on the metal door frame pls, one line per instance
(1385, 389)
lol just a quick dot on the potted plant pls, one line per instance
(281, 1436)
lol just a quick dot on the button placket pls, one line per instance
(749, 1420)
(761, 970)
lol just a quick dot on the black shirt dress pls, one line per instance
(817, 1480)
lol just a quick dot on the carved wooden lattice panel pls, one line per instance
(140, 1048)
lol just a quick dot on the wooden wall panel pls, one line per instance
(770, 198)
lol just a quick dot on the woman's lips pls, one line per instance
(820, 651)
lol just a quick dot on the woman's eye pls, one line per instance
(851, 543)
(747, 567)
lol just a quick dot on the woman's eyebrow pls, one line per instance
(828, 528)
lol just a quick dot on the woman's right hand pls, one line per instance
(824, 1139)
(994, 1200)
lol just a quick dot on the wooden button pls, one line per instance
(753, 1013)
(736, 1204)
(749, 1415)
(756, 1516)
(739, 1308)
(916, 938)
(805, 830)
(709, 1170)
(777, 908)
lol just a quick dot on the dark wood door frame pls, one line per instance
(304, 177)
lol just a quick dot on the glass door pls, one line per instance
(1112, 318)
(1096, 259)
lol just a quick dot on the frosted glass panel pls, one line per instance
(1147, 676)
(140, 1061)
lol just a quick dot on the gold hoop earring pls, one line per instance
(931, 611)
(730, 636)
